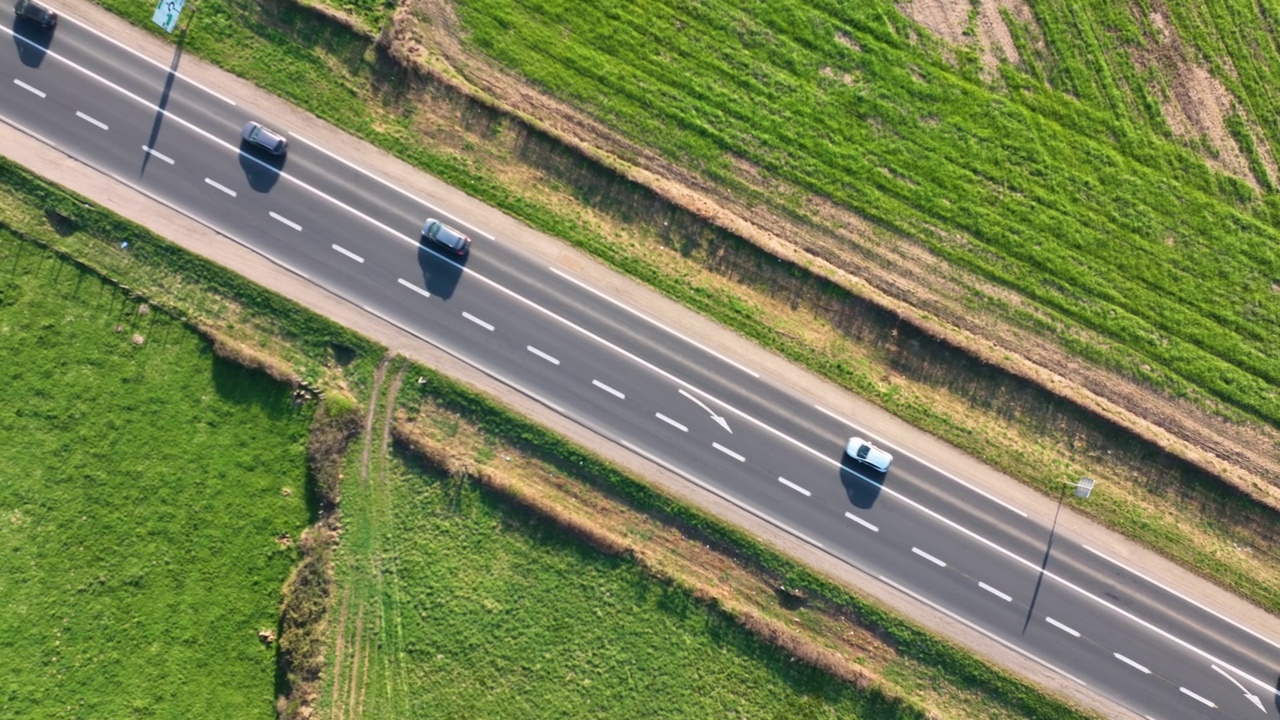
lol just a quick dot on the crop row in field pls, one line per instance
(1084, 206)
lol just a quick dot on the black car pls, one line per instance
(257, 135)
(37, 13)
(446, 237)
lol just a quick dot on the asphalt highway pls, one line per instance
(708, 417)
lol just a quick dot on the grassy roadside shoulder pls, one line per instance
(1177, 508)
(193, 287)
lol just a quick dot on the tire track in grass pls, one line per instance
(337, 656)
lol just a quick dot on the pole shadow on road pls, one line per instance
(32, 40)
(863, 484)
(440, 273)
(164, 95)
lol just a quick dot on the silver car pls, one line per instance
(257, 135)
(868, 454)
(436, 232)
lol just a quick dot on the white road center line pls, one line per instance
(862, 522)
(1204, 700)
(406, 193)
(157, 63)
(928, 557)
(616, 393)
(477, 321)
(220, 186)
(158, 155)
(728, 452)
(347, 252)
(1003, 596)
(1132, 663)
(1182, 597)
(542, 355)
(926, 463)
(1064, 628)
(91, 120)
(671, 422)
(413, 287)
(34, 91)
(794, 486)
(280, 218)
(651, 321)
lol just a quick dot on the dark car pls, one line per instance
(37, 13)
(257, 135)
(446, 237)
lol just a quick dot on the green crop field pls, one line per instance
(142, 492)
(467, 607)
(1061, 181)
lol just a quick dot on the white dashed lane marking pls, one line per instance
(794, 486)
(158, 155)
(1202, 699)
(1068, 630)
(220, 186)
(928, 557)
(347, 252)
(728, 452)
(91, 120)
(1132, 663)
(544, 356)
(862, 522)
(1003, 596)
(413, 287)
(671, 422)
(33, 90)
(284, 220)
(477, 321)
(616, 393)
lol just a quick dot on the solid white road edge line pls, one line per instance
(542, 355)
(158, 155)
(794, 486)
(214, 183)
(1003, 596)
(348, 253)
(33, 90)
(728, 452)
(412, 287)
(922, 461)
(1081, 591)
(1182, 597)
(398, 189)
(1064, 628)
(1132, 663)
(91, 120)
(862, 522)
(928, 557)
(652, 321)
(671, 422)
(972, 626)
(616, 393)
(157, 63)
(477, 321)
(284, 220)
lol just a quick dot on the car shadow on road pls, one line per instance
(440, 272)
(861, 483)
(32, 40)
(261, 169)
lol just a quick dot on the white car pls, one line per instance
(868, 454)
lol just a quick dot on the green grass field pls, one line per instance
(1074, 193)
(141, 495)
(470, 608)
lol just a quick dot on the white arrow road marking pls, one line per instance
(1252, 698)
(720, 419)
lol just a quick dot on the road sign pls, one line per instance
(166, 14)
